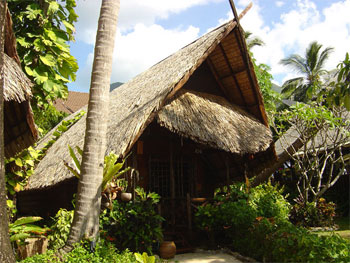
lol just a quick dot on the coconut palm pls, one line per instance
(311, 67)
(252, 41)
(88, 203)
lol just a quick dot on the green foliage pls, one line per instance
(311, 214)
(271, 97)
(339, 94)
(105, 252)
(268, 201)
(134, 225)
(23, 228)
(21, 167)
(235, 210)
(60, 228)
(43, 30)
(47, 119)
(144, 258)
(111, 168)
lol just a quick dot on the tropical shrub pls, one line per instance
(313, 214)
(135, 225)
(105, 252)
(60, 228)
(268, 201)
(24, 228)
(235, 209)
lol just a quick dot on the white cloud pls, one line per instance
(297, 28)
(139, 50)
(279, 3)
(132, 12)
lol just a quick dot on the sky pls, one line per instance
(150, 30)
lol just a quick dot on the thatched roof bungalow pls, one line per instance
(191, 121)
(20, 131)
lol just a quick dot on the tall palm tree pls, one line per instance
(311, 67)
(88, 202)
(6, 254)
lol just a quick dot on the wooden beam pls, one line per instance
(237, 71)
(217, 78)
(232, 73)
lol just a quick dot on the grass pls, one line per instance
(344, 228)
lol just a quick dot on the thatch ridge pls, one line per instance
(212, 120)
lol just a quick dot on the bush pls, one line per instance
(105, 252)
(60, 228)
(268, 201)
(313, 214)
(133, 225)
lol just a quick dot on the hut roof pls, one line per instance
(135, 104)
(75, 101)
(17, 86)
(212, 120)
(20, 131)
(322, 139)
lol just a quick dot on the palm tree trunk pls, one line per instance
(87, 211)
(6, 253)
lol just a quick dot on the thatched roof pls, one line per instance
(17, 86)
(74, 102)
(20, 131)
(135, 104)
(321, 140)
(212, 120)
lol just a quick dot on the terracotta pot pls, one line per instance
(126, 197)
(167, 249)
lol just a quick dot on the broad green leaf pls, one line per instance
(29, 71)
(39, 45)
(19, 162)
(74, 157)
(25, 220)
(347, 102)
(19, 236)
(22, 41)
(69, 26)
(53, 7)
(48, 60)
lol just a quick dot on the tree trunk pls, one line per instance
(87, 211)
(281, 159)
(6, 253)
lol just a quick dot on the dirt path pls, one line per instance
(205, 257)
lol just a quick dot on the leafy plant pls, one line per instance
(111, 171)
(23, 228)
(144, 258)
(105, 252)
(43, 30)
(135, 225)
(313, 214)
(60, 228)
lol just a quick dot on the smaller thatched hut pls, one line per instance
(20, 131)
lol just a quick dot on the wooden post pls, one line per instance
(228, 181)
(189, 215)
(172, 183)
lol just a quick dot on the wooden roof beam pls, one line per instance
(217, 78)
(237, 71)
(232, 73)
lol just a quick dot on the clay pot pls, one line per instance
(167, 249)
(126, 197)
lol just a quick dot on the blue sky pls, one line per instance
(150, 30)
